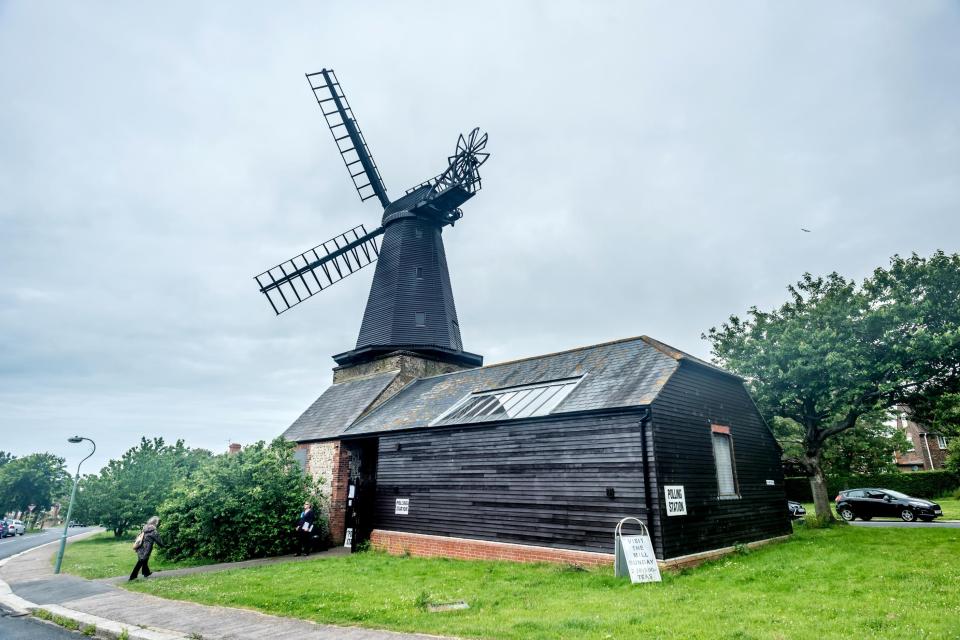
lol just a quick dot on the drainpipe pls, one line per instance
(926, 445)
(647, 496)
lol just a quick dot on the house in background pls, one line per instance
(927, 451)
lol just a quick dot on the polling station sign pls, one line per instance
(675, 499)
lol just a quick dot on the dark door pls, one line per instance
(362, 490)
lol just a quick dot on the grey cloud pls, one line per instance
(652, 165)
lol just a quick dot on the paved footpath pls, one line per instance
(27, 581)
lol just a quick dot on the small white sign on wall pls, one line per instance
(348, 538)
(403, 507)
(676, 500)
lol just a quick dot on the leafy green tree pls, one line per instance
(838, 351)
(128, 491)
(868, 448)
(237, 506)
(38, 479)
(952, 462)
(6, 457)
(939, 414)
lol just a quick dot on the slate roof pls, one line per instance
(623, 373)
(338, 407)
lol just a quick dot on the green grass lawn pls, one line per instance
(951, 508)
(106, 556)
(842, 582)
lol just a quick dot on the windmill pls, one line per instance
(410, 305)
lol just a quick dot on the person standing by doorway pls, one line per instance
(144, 547)
(305, 529)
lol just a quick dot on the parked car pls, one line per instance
(4, 529)
(18, 527)
(867, 504)
(796, 509)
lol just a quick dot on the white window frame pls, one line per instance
(725, 432)
(942, 442)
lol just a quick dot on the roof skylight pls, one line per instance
(512, 403)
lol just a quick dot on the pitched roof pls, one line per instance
(623, 373)
(338, 407)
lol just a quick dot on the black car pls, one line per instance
(796, 509)
(5, 529)
(884, 503)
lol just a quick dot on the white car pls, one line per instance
(14, 527)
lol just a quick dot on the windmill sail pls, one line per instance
(290, 283)
(346, 133)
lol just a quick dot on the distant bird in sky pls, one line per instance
(804, 230)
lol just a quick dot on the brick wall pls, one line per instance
(339, 486)
(331, 462)
(427, 546)
(925, 447)
(320, 463)
(410, 365)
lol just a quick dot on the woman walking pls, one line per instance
(144, 547)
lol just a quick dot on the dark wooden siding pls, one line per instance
(692, 400)
(540, 482)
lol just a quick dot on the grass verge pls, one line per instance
(838, 582)
(106, 556)
(951, 508)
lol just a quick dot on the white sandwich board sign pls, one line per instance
(634, 555)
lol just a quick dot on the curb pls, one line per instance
(107, 629)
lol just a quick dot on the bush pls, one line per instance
(923, 484)
(238, 506)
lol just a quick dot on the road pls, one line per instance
(900, 524)
(26, 628)
(14, 545)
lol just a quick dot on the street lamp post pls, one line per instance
(73, 495)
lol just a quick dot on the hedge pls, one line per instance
(922, 484)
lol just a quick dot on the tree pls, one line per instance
(939, 414)
(37, 479)
(952, 462)
(128, 491)
(837, 352)
(866, 449)
(238, 506)
(6, 457)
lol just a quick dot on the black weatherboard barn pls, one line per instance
(552, 451)
(426, 451)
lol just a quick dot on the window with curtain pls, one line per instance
(723, 456)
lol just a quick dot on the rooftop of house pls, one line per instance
(619, 374)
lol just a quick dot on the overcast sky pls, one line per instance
(652, 166)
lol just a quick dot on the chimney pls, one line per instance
(234, 448)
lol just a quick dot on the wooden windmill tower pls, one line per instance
(410, 306)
